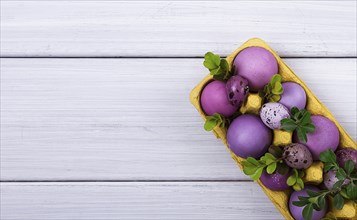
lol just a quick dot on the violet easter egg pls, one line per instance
(214, 99)
(247, 136)
(326, 136)
(257, 65)
(293, 96)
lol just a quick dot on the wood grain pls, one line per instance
(129, 119)
(55, 201)
(175, 28)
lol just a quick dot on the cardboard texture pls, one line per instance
(253, 104)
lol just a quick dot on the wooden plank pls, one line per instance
(129, 119)
(176, 28)
(215, 200)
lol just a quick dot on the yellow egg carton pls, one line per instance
(314, 174)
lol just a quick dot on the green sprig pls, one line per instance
(272, 91)
(340, 191)
(268, 162)
(295, 180)
(214, 121)
(299, 121)
(217, 66)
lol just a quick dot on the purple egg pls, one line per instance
(296, 211)
(293, 96)
(326, 136)
(214, 99)
(275, 181)
(345, 154)
(247, 136)
(257, 65)
(330, 179)
(272, 113)
(237, 90)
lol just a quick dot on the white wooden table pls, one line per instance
(95, 117)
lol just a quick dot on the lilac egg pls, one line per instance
(272, 113)
(326, 136)
(345, 154)
(275, 181)
(296, 211)
(297, 156)
(330, 179)
(293, 96)
(257, 65)
(214, 99)
(237, 90)
(247, 136)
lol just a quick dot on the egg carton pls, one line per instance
(314, 174)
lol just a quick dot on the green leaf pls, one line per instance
(294, 110)
(338, 184)
(282, 169)
(274, 98)
(343, 193)
(275, 78)
(214, 121)
(210, 124)
(275, 151)
(212, 61)
(338, 201)
(300, 203)
(307, 212)
(312, 193)
(299, 185)
(351, 191)
(224, 65)
(321, 202)
(328, 156)
(328, 166)
(273, 89)
(301, 133)
(309, 128)
(341, 174)
(306, 117)
(349, 167)
(291, 180)
(271, 168)
(288, 124)
(257, 173)
(277, 89)
(253, 161)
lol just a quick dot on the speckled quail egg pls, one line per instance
(297, 156)
(272, 113)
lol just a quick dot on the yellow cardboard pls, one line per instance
(280, 199)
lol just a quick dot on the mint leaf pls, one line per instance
(291, 180)
(210, 124)
(307, 212)
(349, 167)
(338, 201)
(294, 110)
(217, 66)
(300, 121)
(309, 128)
(271, 168)
(351, 191)
(328, 156)
(282, 168)
(272, 91)
(288, 124)
(301, 133)
(214, 121)
(212, 61)
(328, 166)
(341, 174)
